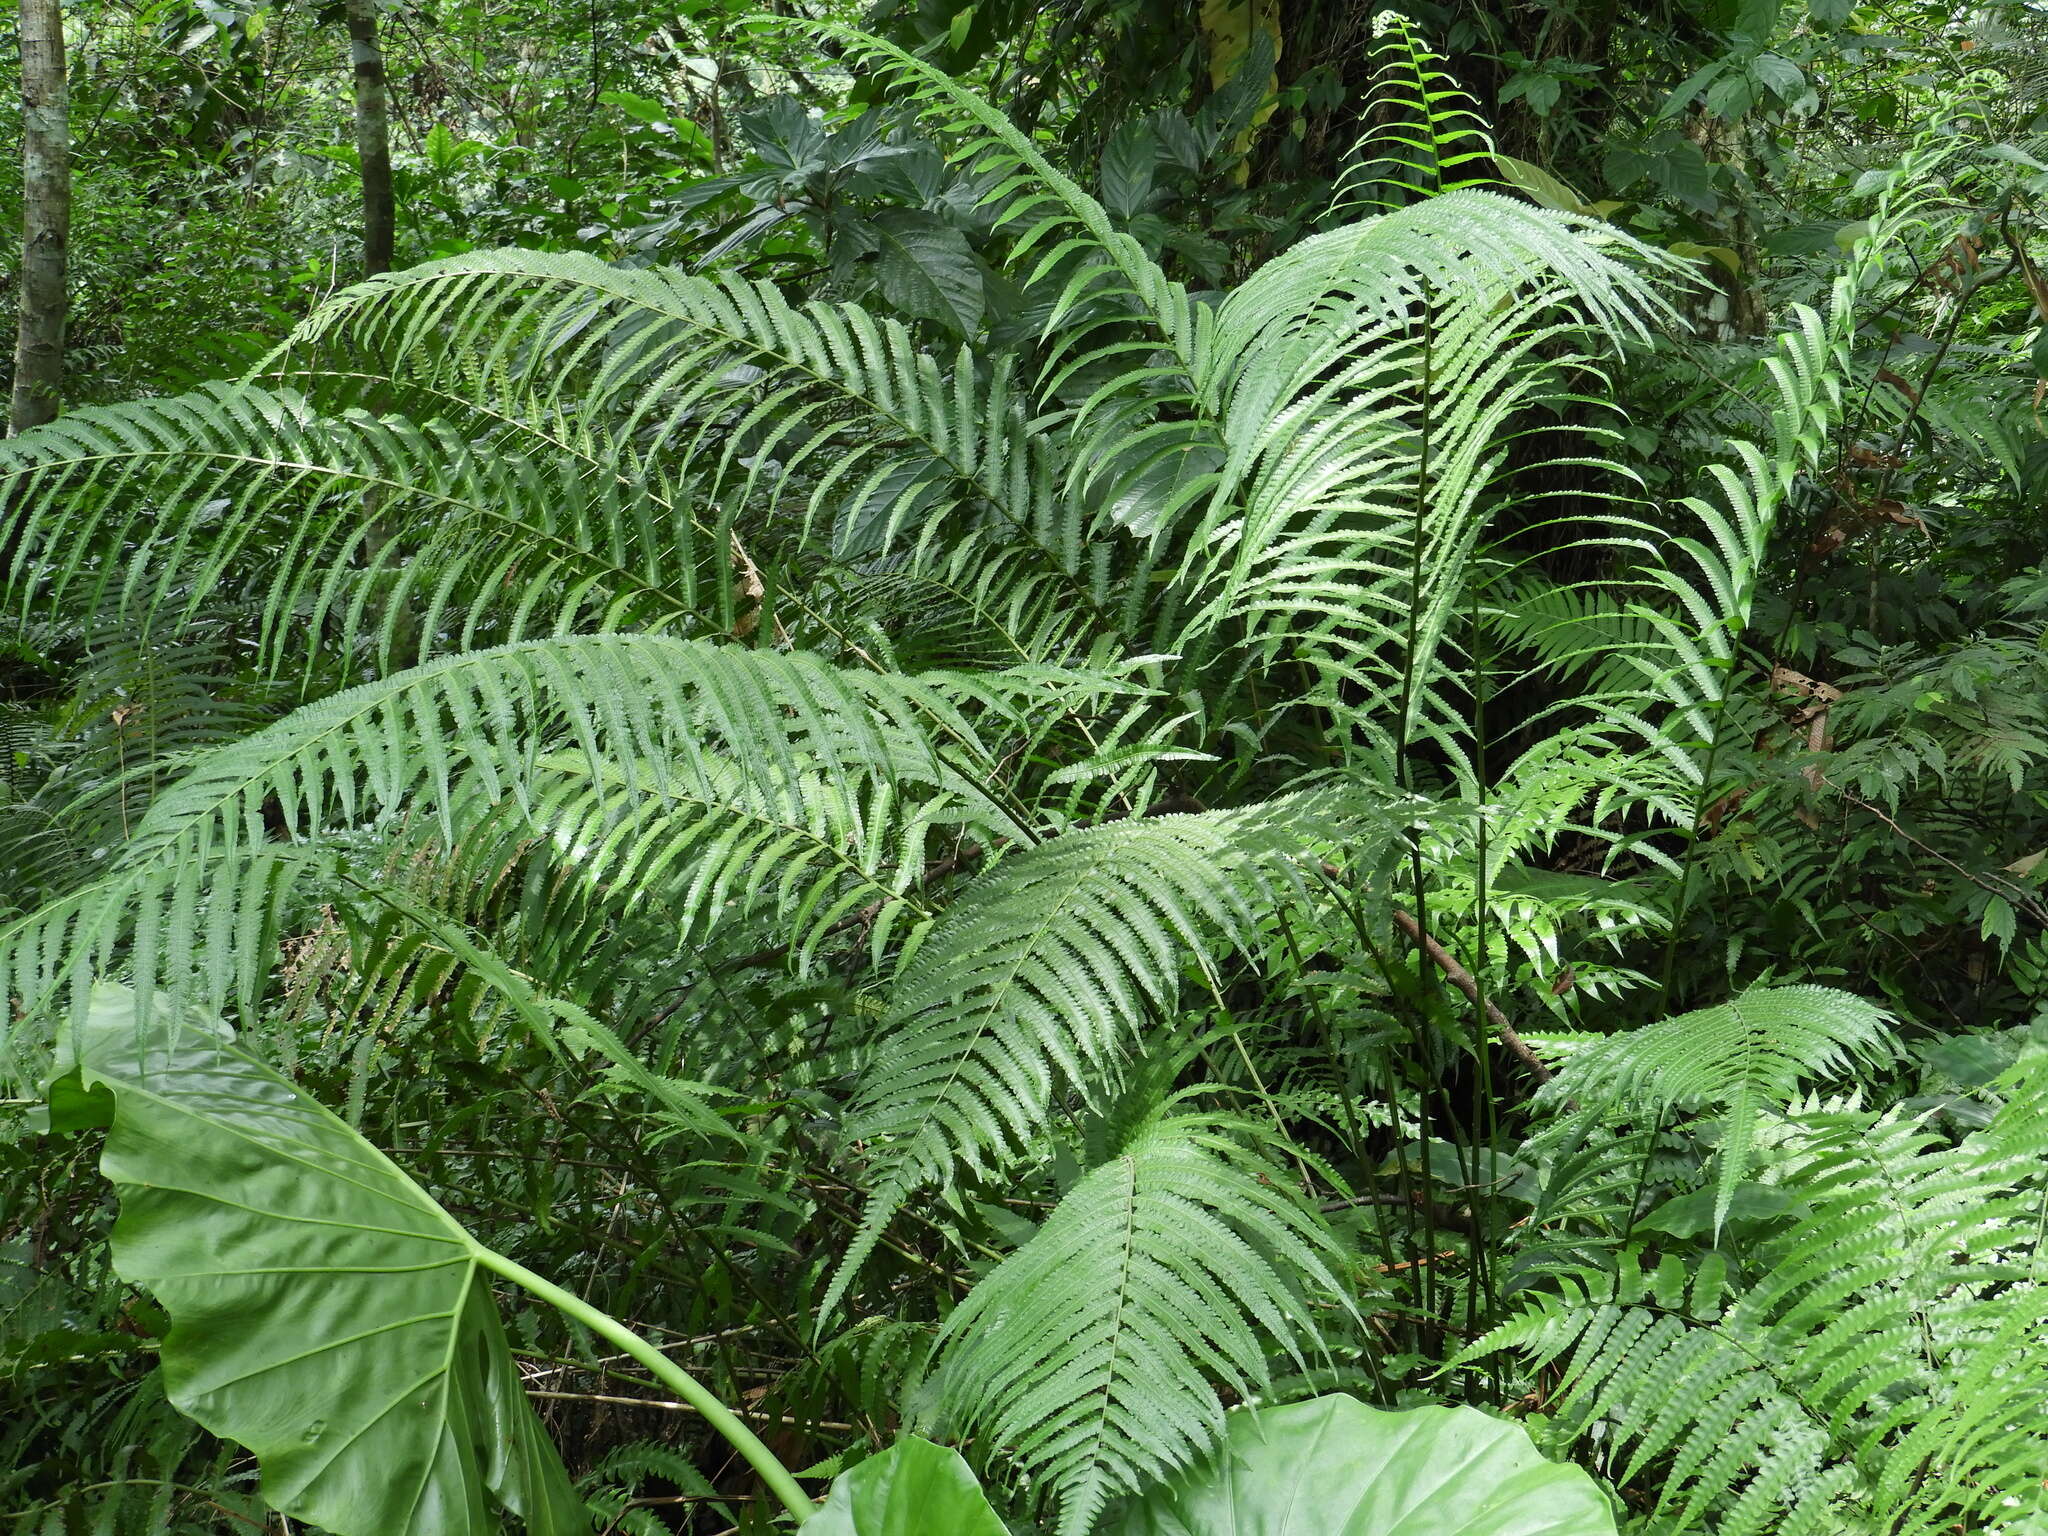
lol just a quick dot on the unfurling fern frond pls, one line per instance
(1424, 135)
(1738, 1057)
(1090, 1354)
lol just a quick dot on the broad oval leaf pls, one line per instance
(926, 269)
(1333, 1467)
(326, 1312)
(914, 1488)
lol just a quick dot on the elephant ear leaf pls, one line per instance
(914, 1488)
(1333, 1467)
(326, 1313)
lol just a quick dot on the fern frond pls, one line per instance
(375, 528)
(1041, 978)
(1089, 1355)
(1425, 136)
(1371, 378)
(1035, 199)
(1739, 1057)
(644, 716)
(1875, 1367)
(1679, 707)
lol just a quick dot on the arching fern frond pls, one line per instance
(366, 527)
(1125, 343)
(1036, 200)
(739, 394)
(1089, 1354)
(1041, 977)
(647, 717)
(1738, 1057)
(1372, 379)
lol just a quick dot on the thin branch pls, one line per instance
(1461, 978)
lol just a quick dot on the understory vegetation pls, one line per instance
(986, 772)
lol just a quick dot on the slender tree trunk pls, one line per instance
(373, 135)
(46, 215)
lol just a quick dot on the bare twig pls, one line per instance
(2006, 890)
(1461, 978)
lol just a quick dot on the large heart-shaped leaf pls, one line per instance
(1333, 1467)
(914, 1488)
(325, 1311)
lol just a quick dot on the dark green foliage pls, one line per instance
(1044, 760)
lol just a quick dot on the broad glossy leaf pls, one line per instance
(1333, 1467)
(914, 1488)
(1128, 163)
(326, 1312)
(926, 269)
(1691, 1214)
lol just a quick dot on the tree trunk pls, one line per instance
(373, 135)
(46, 215)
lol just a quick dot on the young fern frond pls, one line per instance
(1089, 1354)
(1424, 138)
(1739, 1057)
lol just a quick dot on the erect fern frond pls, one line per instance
(1040, 978)
(1423, 136)
(1709, 585)
(646, 717)
(1088, 1356)
(1738, 1057)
